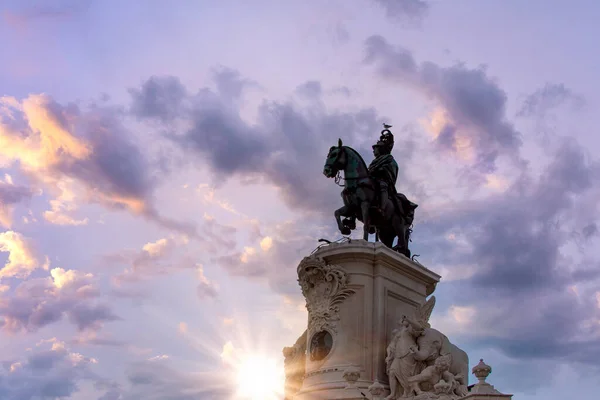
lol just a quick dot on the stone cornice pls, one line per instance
(377, 253)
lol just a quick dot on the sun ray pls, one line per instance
(239, 351)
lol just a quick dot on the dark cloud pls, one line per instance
(116, 166)
(340, 34)
(37, 303)
(286, 147)
(310, 89)
(10, 195)
(222, 137)
(87, 316)
(230, 83)
(405, 11)
(45, 374)
(590, 230)
(548, 98)
(474, 106)
(532, 300)
(13, 194)
(159, 97)
(342, 90)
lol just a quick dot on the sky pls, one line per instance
(161, 178)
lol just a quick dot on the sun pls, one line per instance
(259, 378)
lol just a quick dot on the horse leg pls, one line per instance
(400, 229)
(339, 213)
(386, 236)
(364, 207)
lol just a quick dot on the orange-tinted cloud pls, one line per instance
(22, 260)
(71, 151)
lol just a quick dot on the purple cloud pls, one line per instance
(473, 104)
(37, 303)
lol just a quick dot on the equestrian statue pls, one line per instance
(370, 194)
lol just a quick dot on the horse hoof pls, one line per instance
(349, 223)
(345, 230)
(372, 230)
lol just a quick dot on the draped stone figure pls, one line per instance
(400, 361)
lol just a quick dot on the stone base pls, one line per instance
(356, 293)
(336, 394)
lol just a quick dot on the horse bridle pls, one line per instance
(338, 177)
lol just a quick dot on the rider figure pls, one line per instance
(384, 169)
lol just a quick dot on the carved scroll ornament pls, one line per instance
(324, 287)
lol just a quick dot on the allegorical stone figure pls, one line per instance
(432, 375)
(400, 360)
(422, 361)
(294, 366)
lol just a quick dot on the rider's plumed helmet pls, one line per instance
(386, 140)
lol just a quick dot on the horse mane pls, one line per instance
(359, 157)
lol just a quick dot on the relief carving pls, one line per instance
(422, 364)
(324, 287)
(294, 366)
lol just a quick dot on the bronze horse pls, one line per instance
(358, 195)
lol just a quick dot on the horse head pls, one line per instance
(336, 160)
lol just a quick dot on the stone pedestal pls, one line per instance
(356, 293)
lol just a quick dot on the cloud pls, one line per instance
(206, 288)
(228, 353)
(66, 149)
(266, 243)
(46, 374)
(286, 147)
(22, 260)
(156, 249)
(158, 380)
(10, 195)
(64, 205)
(39, 302)
(473, 105)
(230, 83)
(404, 11)
(522, 286)
(310, 89)
(87, 316)
(90, 337)
(218, 236)
(549, 97)
(182, 328)
(167, 256)
(159, 97)
(288, 243)
(66, 9)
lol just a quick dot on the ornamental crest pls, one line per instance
(324, 287)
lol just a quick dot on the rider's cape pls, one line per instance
(385, 167)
